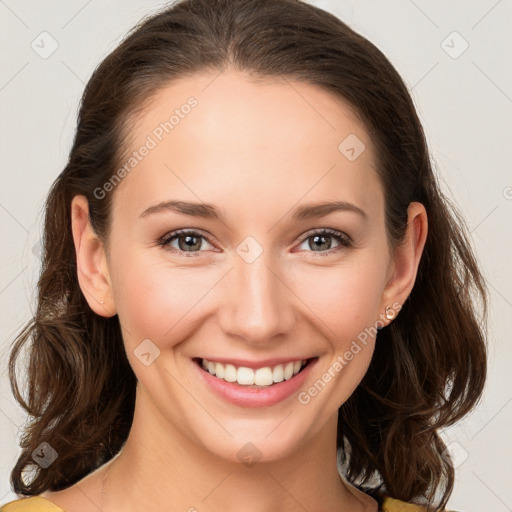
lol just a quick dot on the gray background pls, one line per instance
(464, 98)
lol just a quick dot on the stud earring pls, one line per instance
(390, 314)
(102, 302)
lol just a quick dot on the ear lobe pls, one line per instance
(91, 262)
(407, 256)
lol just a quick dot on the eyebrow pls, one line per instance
(208, 211)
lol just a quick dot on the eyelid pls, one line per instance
(327, 231)
(342, 238)
(171, 235)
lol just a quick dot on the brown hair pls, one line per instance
(429, 366)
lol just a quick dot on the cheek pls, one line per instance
(345, 298)
(156, 301)
(345, 301)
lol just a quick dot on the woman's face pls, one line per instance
(257, 283)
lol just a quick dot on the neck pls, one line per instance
(163, 469)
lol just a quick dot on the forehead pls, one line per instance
(214, 136)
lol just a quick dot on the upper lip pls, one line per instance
(256, 364)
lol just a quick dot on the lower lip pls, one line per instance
(245, 396)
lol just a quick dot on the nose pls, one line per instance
(256, 303)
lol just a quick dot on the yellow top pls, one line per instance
(32, 504)
(40, 504)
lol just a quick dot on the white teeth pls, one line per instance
(244, 376)
(263, 377)
(288, 371)
(230, 373)
(277, 374)
(219, 370)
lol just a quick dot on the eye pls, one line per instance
(185, 241)
(319, 239)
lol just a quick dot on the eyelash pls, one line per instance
(343, 239)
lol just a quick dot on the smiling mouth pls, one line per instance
(263, 377)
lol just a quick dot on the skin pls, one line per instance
(247, 144)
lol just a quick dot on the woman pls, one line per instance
(254, 294)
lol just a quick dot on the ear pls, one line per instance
(91, 260)
(406, 259)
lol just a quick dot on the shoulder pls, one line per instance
(392, 505)
(32, 504)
